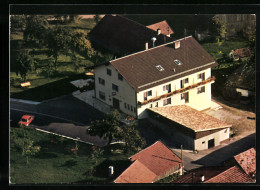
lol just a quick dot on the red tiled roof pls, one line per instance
(194, 175)
(247, 161)
(243, 52)
(123, 35)
(149, 164)
(190, 118)
(163, 26)
(136, 173)
(140, 71)
(158, 158)
(232, 175)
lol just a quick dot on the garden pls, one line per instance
(42, 158)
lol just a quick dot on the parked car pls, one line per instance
(26, 120)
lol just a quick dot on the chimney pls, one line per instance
(146, 46)
(110, 171)
(158, 31)
(202, 178)
(177, 44)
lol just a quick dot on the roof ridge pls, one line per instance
(149, 49)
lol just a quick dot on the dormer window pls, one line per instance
(178, 62)
(160, 68)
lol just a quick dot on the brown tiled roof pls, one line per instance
(136, 173)
(140, 71)
(163, 26)
(123, 35)
(190, 118)
(149, 164)
(158, 158)
(247, 161)
(232, 175)
(194, 175)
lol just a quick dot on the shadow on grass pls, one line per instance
(46, 155)
(69, 163)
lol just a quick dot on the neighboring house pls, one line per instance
(175, 73)
(191, 128)
(151, 164)
(240, 169)
(162, 27)
(240, 53)
(124, 36)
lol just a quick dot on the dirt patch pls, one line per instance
(243, 122)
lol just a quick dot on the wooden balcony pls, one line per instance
(182, 90)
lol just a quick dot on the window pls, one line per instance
(128, 106)
(184, 81)
(167, 88)
(101, 81)
(151, 106)
(156, 105)
(203, 142)
(134, 109)
(185, 96)
(114, 87)
(148, 93)
(102, 95)
(109, 72)
(131, 108)
(166, 101)
(201, 89)
(120, 77)
(201, 76)
(160, 68)
(125, 105)
(178, 62)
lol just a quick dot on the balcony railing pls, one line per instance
(182, 90)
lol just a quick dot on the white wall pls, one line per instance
(218, 136)
(126, 93)
(197, 101)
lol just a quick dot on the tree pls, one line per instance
(24, 63)
(61, 40)
(107, 127)
(29, 149)
(36, 27)
(217, 28)
(133, 141)
(18, 22)
(97, 18)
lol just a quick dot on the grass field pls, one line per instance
(55, 163)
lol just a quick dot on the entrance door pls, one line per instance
(116, 103)
(211, 143)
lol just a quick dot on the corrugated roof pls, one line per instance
(232, 175)
(190, 118)
(123, 35)
(163, 26)
(247, 161)
(140, 71)
(136, 173)
(149, 163)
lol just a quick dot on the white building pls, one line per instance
(175, 73)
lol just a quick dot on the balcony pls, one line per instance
(182, 90)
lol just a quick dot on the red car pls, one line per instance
(26, 120)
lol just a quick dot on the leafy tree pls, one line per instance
(107, 127)
(36, 27)
(24, 64)
(18, 22)
(97, 18)
(217, 28)
(74, 18)
(133, 141)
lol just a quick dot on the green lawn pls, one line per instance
(56, 164)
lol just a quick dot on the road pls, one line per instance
(66, 116)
